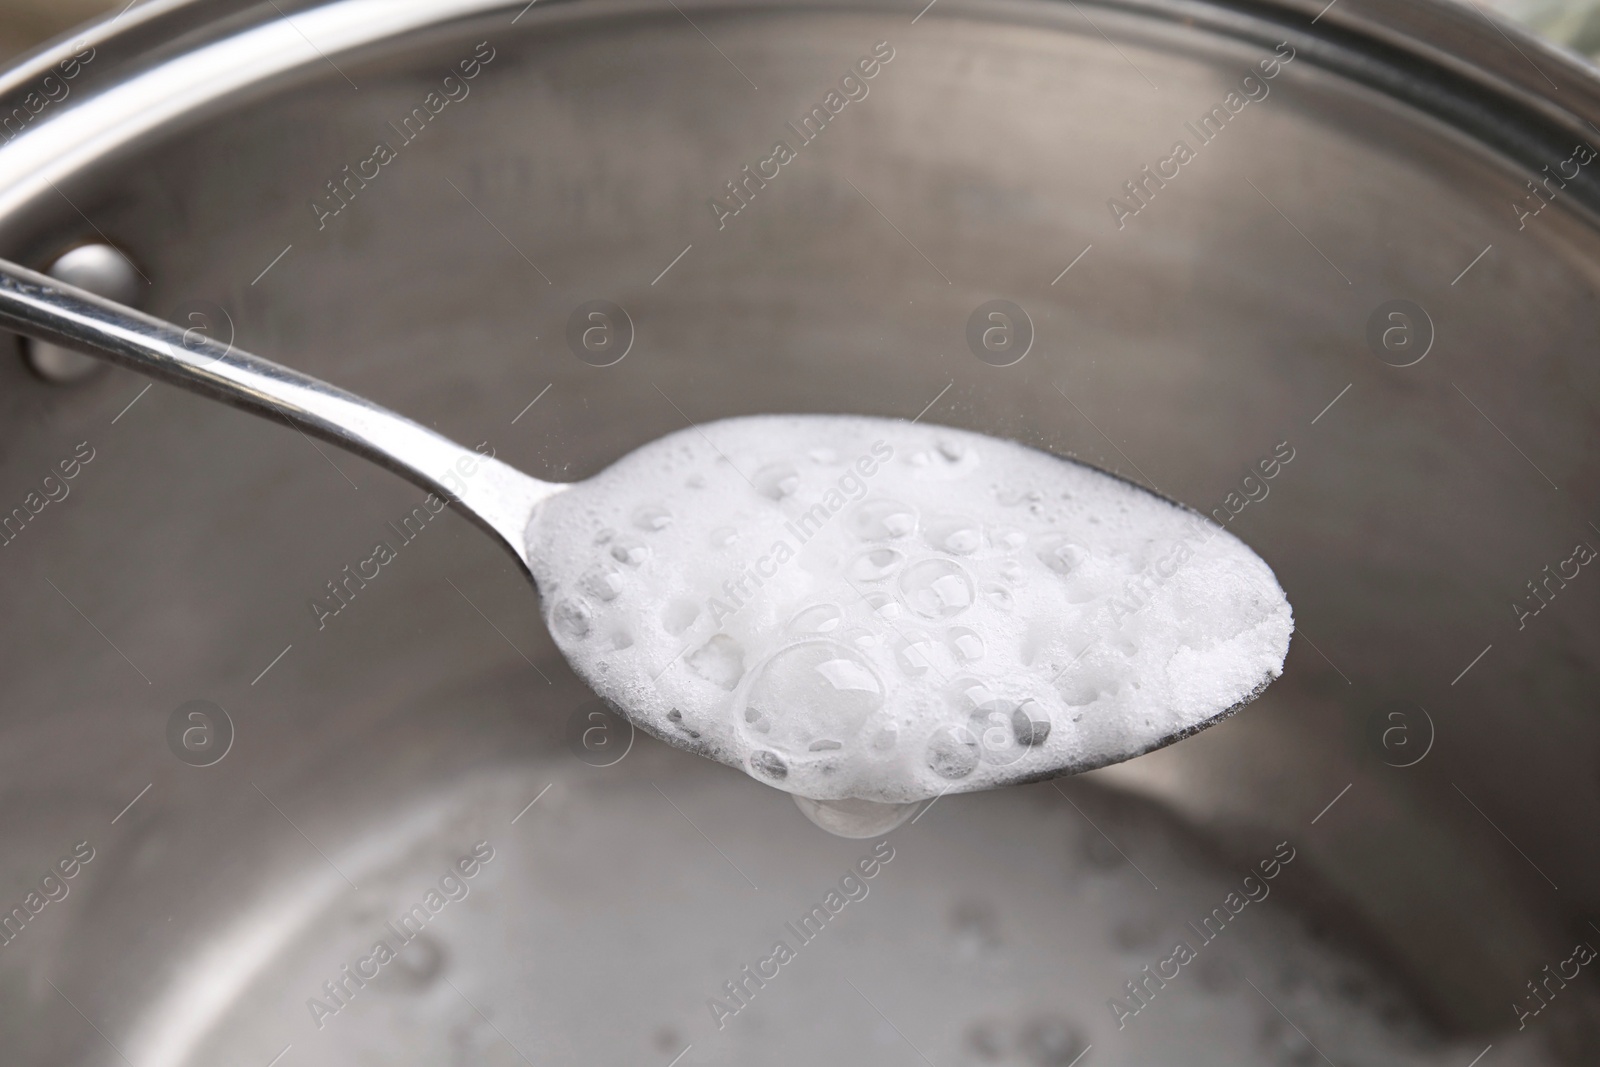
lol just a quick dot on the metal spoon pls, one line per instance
(852, 802)
(496, 496)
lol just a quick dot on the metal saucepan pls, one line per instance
(1377, 253)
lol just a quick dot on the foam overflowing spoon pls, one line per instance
(862, 612)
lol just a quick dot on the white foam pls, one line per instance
(866, 608)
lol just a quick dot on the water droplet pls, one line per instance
(652, 518)
(965, 643)
(720, 661)
(855, 818)
(1030, 723)
(1060, 554)
(1000, 597)
(603, 536)
(629, 551)
(602, 583)
(723, 536)
(769, 764)
(875, 565)
(953, 451)
(571, 617)
(817, 619)
(826, 744)
(882, 520)
(811, 691)
(952, 752)
(936, 588)
(823, 455)
(1009, 538)
(620, 640)
(777, 480)
(956, 535)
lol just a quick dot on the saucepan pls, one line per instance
(293, 774)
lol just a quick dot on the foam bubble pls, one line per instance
(853, 608)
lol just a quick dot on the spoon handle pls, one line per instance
(496, 496)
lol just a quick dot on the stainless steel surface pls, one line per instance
(26, 23)
(103, 271)
(1222, 319)
(500, 499)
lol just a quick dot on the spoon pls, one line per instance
(864, 613)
